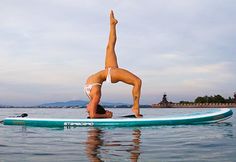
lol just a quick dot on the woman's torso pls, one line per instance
(97, 77)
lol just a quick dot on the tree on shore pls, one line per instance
(213, 99)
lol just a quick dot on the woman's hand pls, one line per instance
(108, 114)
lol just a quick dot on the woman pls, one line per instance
(112, 74)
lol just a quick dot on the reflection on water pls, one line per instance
(226, 128)
(223, 124)
(97, 144)
(135, 151)
(94, 142)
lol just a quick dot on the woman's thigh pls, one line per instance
(118, 74)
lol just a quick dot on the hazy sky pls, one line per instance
(186, 48)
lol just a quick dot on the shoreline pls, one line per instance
(195, 105)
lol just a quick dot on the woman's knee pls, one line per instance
(138, 82)
(110, 47)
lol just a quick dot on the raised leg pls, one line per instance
(111, 59)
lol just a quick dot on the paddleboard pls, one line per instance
(201, 117)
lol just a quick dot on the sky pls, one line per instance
(184, 48)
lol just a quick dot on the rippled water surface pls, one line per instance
(211, 142)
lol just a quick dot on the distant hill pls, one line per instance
(5, 106)
(78, 103)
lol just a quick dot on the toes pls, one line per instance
(112, 13)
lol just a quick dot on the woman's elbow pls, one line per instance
(92, 116)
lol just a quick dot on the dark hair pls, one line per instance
(100, 109)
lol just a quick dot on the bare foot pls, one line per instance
(136, 112)
(113, 21)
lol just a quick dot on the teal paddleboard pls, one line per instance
(202, 117)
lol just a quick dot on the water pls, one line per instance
(211, 142)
